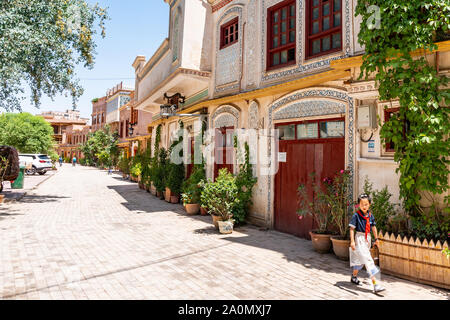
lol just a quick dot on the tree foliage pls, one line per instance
(26, 133)
(41, 42)
(395, 53)
(101, 148)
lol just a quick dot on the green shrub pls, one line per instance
(382, 209)
(221, 197)
(160, 170)
(124, 164)
(245, 183)
(192, 185)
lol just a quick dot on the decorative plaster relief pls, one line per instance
(227, 110)
(253, 115)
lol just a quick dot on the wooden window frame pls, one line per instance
(387, 115)
(227, 26)
(320, 35)
(290, 45)
(308, 140)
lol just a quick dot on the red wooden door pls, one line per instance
(224, 150)
(323, 155)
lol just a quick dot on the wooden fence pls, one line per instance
(418, 261)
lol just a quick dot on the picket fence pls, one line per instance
(414, 260)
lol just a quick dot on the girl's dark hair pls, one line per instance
(364, 196)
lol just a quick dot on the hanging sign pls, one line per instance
(281, 156)
(371, 146)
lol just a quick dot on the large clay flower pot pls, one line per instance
(153, 190)
(340, 247)
(192, 208)
(320, 242)
(167, 194)
(2, 196)
(174, 199)
(216, 219)
(158, 194)
(203, 211)
(225, 227)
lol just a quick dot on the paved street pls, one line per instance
(85, 235)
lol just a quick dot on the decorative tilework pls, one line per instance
(332, 94)
(251, 44)
(301, 67)
(308, 109)
(227, 68)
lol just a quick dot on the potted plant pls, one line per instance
(160, 172)
(221, 197)
(337, 196)
(319, 209)
(175, 180)
(190, 203)
(192, 188)
(136, 170)
(203, 210)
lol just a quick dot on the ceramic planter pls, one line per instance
(2, 196)
(167, 194)
(174, 199)
(225, 227)
(153, 190)
(158, 194)
(216, 219)
(203, 211)
(192, 208)
(321, 242)
(340, 247)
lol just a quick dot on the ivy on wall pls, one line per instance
(393, 32)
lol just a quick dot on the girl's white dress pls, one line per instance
(361, 255)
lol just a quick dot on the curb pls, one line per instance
(26, 192)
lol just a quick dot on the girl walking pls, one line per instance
(360, 242)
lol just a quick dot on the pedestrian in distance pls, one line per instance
(60, 161)
(360, 243)
(74, 161)
(109, 170)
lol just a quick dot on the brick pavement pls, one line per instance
(85, 235)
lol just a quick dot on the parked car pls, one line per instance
(41, 163)
(26, 161)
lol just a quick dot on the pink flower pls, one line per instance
(342, 171)
(300, 217)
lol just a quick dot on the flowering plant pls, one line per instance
(337, 197)
(317, 207)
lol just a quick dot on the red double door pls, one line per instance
(224, 150)
(321, 154)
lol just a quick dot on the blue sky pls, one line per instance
(136, 27)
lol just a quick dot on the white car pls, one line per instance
(41, 163)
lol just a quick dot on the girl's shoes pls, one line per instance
(355, 280)
(377, 288)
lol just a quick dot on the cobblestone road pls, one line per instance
(85, 235)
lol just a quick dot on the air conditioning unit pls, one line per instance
(367, 117)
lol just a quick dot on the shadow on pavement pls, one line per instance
(41, 199)
(141, 200)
